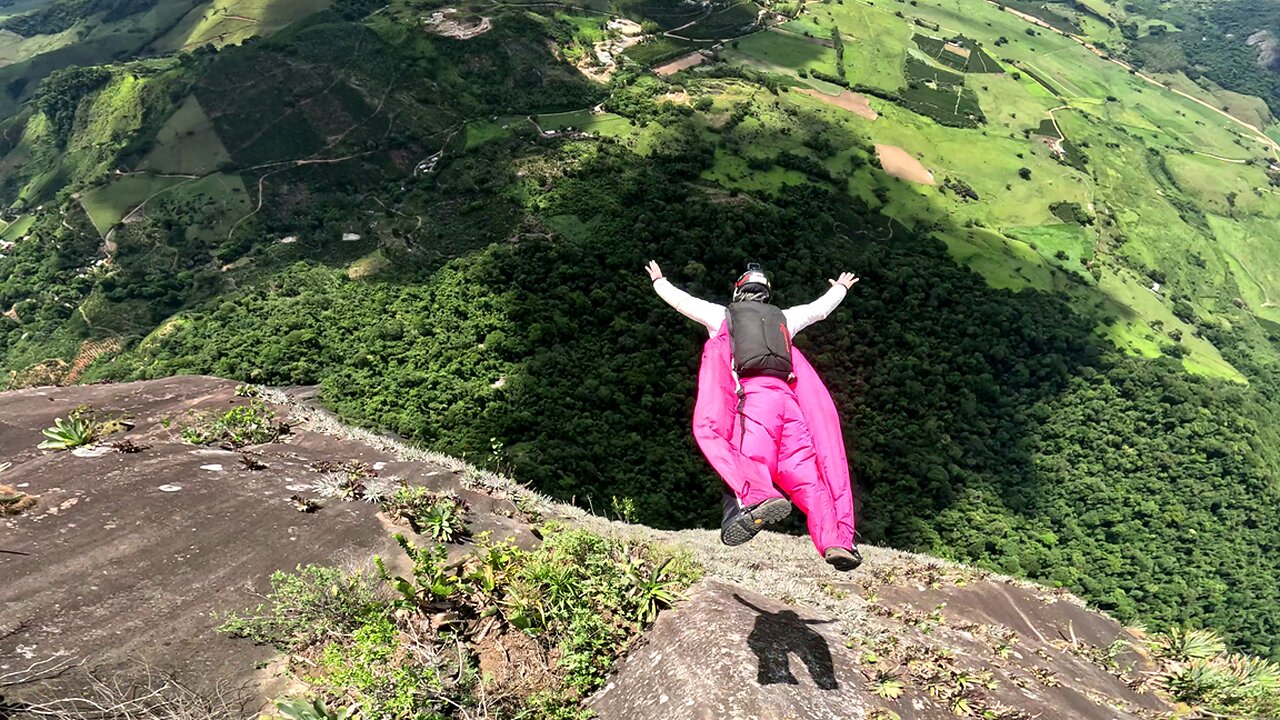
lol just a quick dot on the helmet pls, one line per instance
(752, 284)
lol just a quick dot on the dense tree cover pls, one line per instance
(42, 281)
(984, 425)
(60, 15)
(59, 96)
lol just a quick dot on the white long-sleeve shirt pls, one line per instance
(712, 316)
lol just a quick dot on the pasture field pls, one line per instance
(1149, 322)
(187, 143)
(18, 7)
(107, 205)
(90, 42)
(14, 48)
(479, 132)
(875, 41)
(1225, 188)
(990, 164)
(14, 231)
(228, 22)
(732, 171)
(1250, 247)
(774, 51)
(213, 204)
(1250, 109)
(658, 50)
(1002, 262)
(606, 124)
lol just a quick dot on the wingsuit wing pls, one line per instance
(823, 420)
(715, 422)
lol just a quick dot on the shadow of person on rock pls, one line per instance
(777, 635)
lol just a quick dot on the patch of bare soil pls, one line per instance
(902, 165)
(452, 23)
(14, 501)
(957, 50)
(684, 62)
(513, 663)
(851, 101)
(679, 98)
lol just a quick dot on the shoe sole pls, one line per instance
(844, 564)
(750, 523)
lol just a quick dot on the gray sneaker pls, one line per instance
(742, 524)
(842, 559)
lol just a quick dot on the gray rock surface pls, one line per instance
(731, 653)
(125, 557)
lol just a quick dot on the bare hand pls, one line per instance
(847, 279)
(655, 272)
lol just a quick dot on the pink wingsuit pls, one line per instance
(806, 461)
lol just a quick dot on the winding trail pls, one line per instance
(282, 166)
(1235, 161)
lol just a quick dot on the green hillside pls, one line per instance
(1061, 362)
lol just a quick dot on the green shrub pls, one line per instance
(588, 595)
(410, 656)
(432, 583)
(372, 669)
(250, 424)
(306, 606)
(580, 593)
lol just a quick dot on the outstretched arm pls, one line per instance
(740, 599)
(802, 316)
(709, 314)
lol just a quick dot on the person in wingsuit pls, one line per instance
(764, 419)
